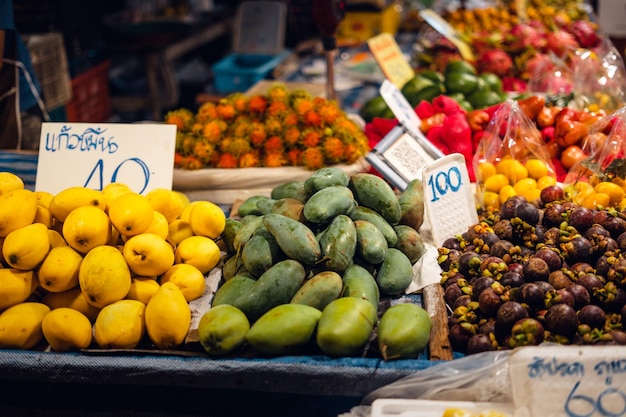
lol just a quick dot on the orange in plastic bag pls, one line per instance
(511, 159)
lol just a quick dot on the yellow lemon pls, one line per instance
(131, 214)
(207, 219)
(148, 254)
(66, 329)
(104, 276)
(142, 289)
(113, 190)
(199, 251)
(72, 298)
(159, 225)
(179, 230)
(26, 247)
(166, 202)
(495, 182)
(17, 209)
(120, 325)
(187, 278)
(536, 168)
(59, 270)
(9, 182)
(86, 227)
(70, 198)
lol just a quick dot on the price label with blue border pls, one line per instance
(449, 201)
(93, 155)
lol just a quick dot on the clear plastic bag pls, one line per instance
(511, 158)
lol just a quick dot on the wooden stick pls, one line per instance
(439, 345)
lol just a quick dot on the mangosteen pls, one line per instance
(469, 263)
(528, 213)
(451, 243)
(621, 242)
(481, 283)
(479, 343)
(451, 293)
(532, 294)
(560, 296)
(508, 313)
(552, 193)
(615, 225)
(591, 282)
(512, 279)
(459, 335)
(580, 218)
(553, 215)
(552, 236)
(487, 326)
(463, 300)
(493, 266)
(536, 269)
(559, 279)
(489, 302)
(578, 249)
(579, 268)
(603, 265)
(447, 258)
(501, 248)
(504, 229)
(580, 294)
(596, 231)
(526, 332)
(516, 267)
(618, 337)
(592, 315)
(507, 209)
(561, 319)
(551, 256)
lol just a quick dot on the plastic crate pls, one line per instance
(91, 100)
(49, 60)
(237, 73)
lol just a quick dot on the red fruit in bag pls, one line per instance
(424, 109)
(446, 105)
(457, 136)
(434, 137)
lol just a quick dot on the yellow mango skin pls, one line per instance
(26, 247)
(20, 325)
(222, 329)
(120, 325)
(17, 209)
(15, 286)
(168, 317)
(66, 329)
(345, 326)
(104, 276)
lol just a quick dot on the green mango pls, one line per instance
(410, 243)
(260, 253)
(364, 213)
(395, 273)
(265, 205)
(345, 326)
(319, 290)
(295, 239)
(375, 193)
(232, 266)
(290, 189)
(412, 204)
(338, 243)
(250, 206)
(232, 289)
(327, 203)
(246, 231)
(325, 177)
(403, 331)
(231, 228)
(360, 283)
(222, 329)
(289, 207)
(275, 286)
(371, 242)
(283, 330)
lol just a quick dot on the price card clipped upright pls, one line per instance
(93, 155)
(570, 381)
(448, 197)
(404, 151)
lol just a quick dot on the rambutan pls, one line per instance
(273, 126)
(238, 146)
(292, 135)
(249, 160)
(257, 104)
(256, 133)
(293, 156)
(312, 158)
(203, 151)
(182, 118)
(302, 106)
(273, 144)
(227, 161)
(225, 110)
(212, 131)
(312, 118)
(310, 138)
(278, 92)
(207, 111)
(274, 159)
(333, 150)
(276, 109)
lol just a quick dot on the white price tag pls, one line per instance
(93, 155)
(571, 381)
(400, 106)
(449, 202)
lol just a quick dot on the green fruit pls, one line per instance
(461, 82)
(371, 243)
(456, 96)
(325, 177)
(345, 326)
(375, 107)
(459, 66)
(283, 330)
(410, 243)
(395, 273)
(319, 290)
(222, 329)
(338, 243)
(403, 331)
(482, 99)
(427, 93)
(435, 76)
(358, 282)
(364, 213)
(295, 239)
(234, 288)
(415, 84)
(412, 204)
(466, 105)
(289, 189)
(375, 193)
(249, 205)
(289, 207)
(327, 203)
(493, 81)
(231, 228)
(260, 253)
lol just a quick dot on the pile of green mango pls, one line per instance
(308, 266)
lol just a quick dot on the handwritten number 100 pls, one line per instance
(597, 405)
(442, 181)
(98, 170)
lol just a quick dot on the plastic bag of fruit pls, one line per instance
(599, 180)
(511, 158)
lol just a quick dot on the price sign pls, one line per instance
(571, 381)
(445, 29)
(390, 59)
(448, 197)
(94, 155)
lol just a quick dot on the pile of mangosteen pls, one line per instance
(533, 272)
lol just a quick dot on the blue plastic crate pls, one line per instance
(21, 163)
(237, 73)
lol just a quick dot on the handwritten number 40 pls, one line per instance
(610, 403)
(118, 175)
(443, 181)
